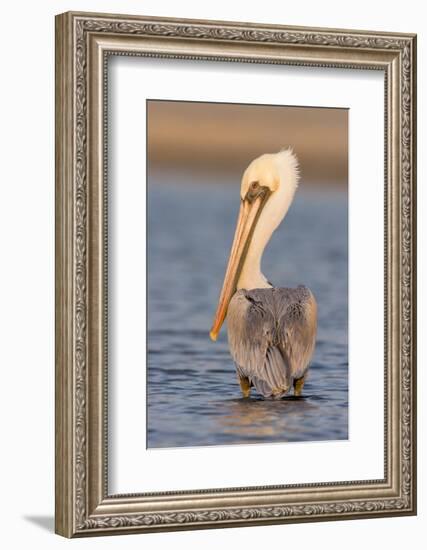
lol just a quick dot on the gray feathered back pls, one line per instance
(272, 333)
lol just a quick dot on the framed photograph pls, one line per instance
(235, 274)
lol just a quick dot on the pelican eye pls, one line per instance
(256, 190)
(253, 191)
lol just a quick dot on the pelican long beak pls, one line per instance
(250, 210)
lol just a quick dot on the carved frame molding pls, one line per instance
(83, 43)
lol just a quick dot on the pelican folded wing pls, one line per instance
(271, 334)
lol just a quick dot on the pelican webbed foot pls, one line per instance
(298, 386)
(245, 386)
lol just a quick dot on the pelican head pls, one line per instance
(267, 190)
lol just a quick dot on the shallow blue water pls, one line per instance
(193, 393)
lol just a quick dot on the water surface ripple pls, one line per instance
(193, 395)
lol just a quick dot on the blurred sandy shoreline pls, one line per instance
(218, 140)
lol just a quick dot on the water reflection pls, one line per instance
(262, 419)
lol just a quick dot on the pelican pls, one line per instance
(271, 331)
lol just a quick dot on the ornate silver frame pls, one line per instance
(83, 42)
